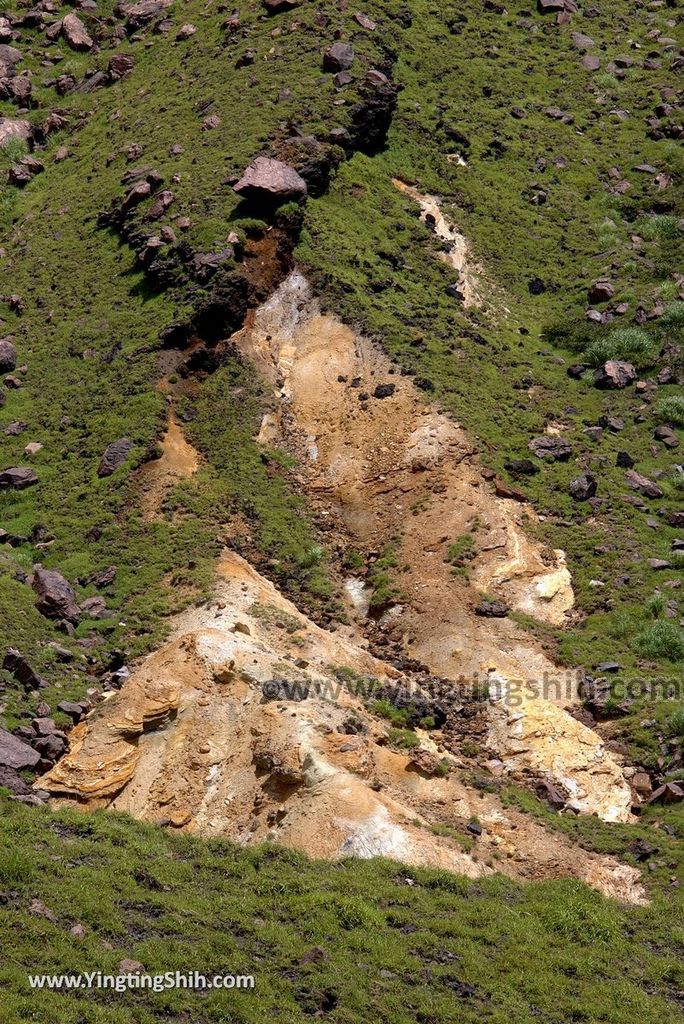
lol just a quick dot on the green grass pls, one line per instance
(671, 410)
(89, 333)
(661, 640)
(382, 948)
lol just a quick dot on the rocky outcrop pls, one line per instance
(196, 740)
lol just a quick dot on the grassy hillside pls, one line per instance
(346, 942)
(566, 176)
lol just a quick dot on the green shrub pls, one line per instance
(655, 606)
(630, 343)
(405, 739)
(673, 316)
(671, 410)
(662, 639)
(658, 227)
(675, 723)
(384, 708)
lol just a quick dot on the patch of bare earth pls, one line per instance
(178, 461)
(239, 725)
(206, 737)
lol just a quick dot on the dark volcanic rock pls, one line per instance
(14, 753)
(16, 664)
(552, 796)
(597, 697)
(583, 487)
(492, 609)
(624, 460)
(8, 355)
(18, 477)
(270, 179)
(384, 390)
(56, 597)
(601, 291)
(649, 488)
(521, 467)
(550, 446)
(10, 779)
(276, 6)
(338, 57)
(114, 456)
(614, 375)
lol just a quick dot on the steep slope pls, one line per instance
(342, 351)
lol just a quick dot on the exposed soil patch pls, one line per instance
(198, 740)
(457, 252)
(178, 461)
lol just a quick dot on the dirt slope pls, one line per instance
(202, 738)
(393, 471)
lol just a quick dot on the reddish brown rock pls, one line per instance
(670, 793)
(17, 478)
(614, 375)
(75, 33)
(55, 595)
(601, 291)
(642, 484)
(266, 178)
(504, 490)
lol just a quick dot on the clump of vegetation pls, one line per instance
(384, 588)
(384, 708)
(632, 344)
(662, 639)
(675, 723)
(403, 739)
(671, 409)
